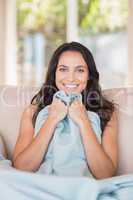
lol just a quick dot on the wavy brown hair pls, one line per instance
(92, 96)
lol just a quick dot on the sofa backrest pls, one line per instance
(123, 97)
(13, 100)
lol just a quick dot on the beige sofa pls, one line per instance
(14, 99)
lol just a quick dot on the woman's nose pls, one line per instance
(71, 76)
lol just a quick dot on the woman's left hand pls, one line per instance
(77, 112)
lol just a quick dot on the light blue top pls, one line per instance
(65, 155)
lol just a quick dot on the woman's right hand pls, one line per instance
(57, 110)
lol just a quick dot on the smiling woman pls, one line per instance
(73, 78)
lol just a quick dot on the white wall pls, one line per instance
(8, 42)
(2, 41)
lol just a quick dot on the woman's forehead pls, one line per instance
(71, 57)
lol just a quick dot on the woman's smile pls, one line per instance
(70, 85)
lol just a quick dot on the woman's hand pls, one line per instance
(77, 112)
(57, 110)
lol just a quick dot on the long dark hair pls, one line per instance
(91, 95)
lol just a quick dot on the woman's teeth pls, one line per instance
(71, 85)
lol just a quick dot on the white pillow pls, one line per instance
(3, 154)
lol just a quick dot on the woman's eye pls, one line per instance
(62, 69)
(80, 70)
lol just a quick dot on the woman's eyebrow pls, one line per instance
(78, 66)
(62, 66)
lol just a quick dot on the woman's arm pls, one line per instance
(102, 158)
(29, 151)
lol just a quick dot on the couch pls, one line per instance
(13, 100)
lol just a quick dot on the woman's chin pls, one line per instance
(71, 91)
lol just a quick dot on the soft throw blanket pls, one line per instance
(65, 155)
(19, 185)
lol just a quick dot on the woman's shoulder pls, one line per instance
(43, 112)
(114, 118)
(29, 110)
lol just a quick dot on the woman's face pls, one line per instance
(72, 72)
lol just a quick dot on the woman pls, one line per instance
(71, 69)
